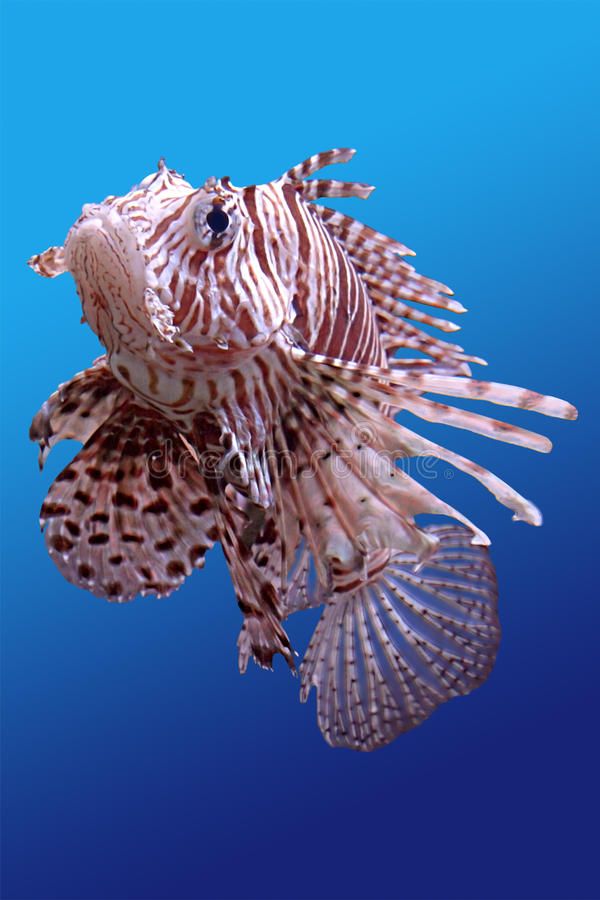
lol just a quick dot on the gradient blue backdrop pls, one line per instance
(137, 763)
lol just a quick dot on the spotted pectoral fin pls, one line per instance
(131, 514)
(386, 653)
(77, 408)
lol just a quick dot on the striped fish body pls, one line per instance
(247, 396)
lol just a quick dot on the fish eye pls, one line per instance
(217, 220)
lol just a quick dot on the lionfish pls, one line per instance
(248, 395)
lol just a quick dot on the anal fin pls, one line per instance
(258, 544)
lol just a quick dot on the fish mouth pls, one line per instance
(104, 257)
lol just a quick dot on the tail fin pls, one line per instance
(390, 649)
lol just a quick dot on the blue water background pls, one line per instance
(137, 762)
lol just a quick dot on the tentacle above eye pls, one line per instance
(312, 190)
(318, 161)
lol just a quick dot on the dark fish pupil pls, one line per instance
(217, 220)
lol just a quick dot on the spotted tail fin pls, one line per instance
(390, 649)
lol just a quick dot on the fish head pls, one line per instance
(208, 270)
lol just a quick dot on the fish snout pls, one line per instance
(104, 257)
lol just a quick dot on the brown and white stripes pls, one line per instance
(277, 338)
